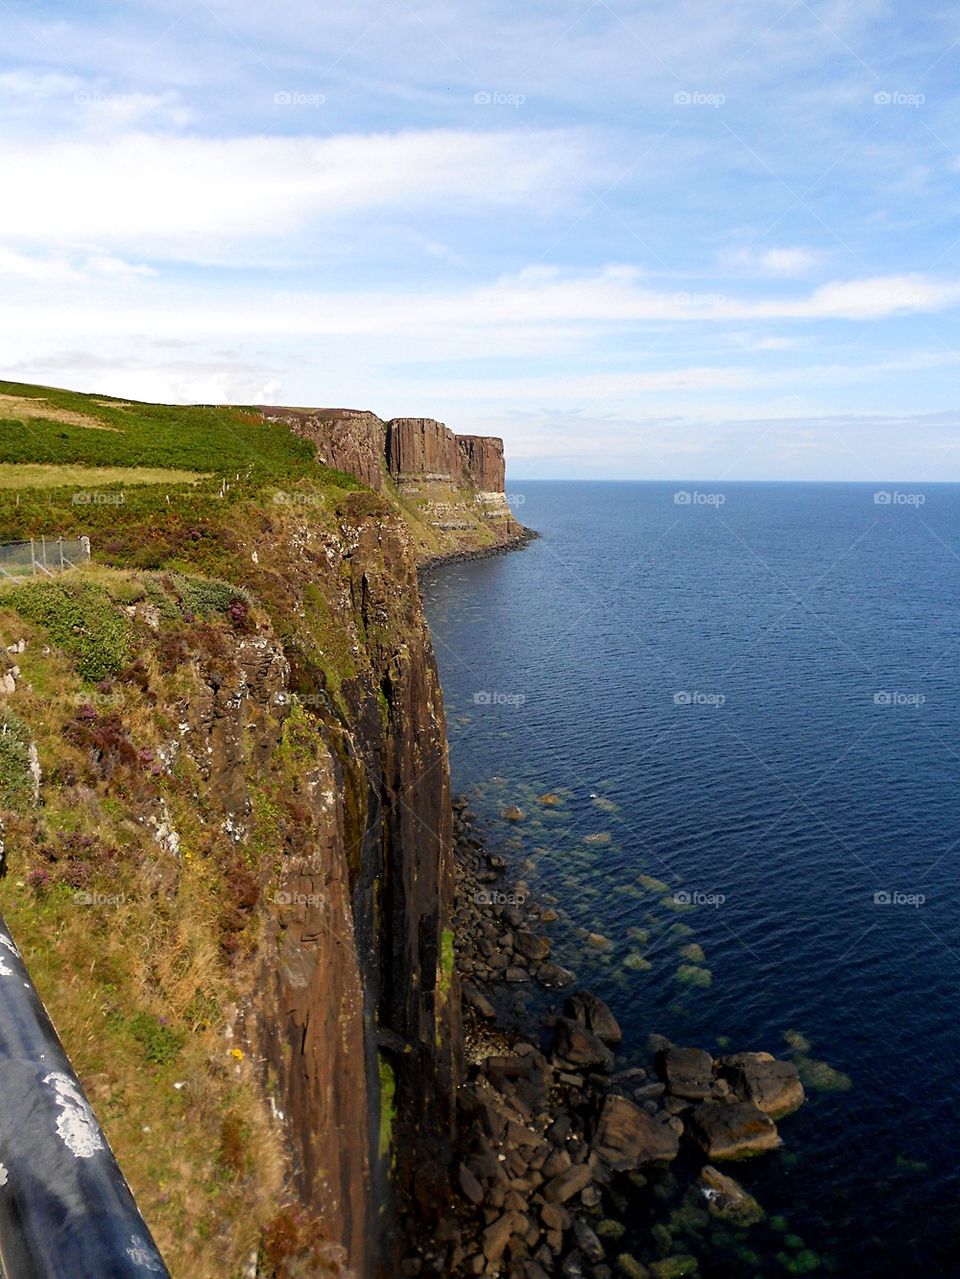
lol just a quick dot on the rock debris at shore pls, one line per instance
(554, 1138)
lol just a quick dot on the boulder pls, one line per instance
(470, 1185)
(476, 1000)
(687, 1072)
(534, 947)
(774, 1086)
(626, 1137)
(734, 1130)
(587, 1242)
(727, 1199)
(554, 977)
(593, 1013)
(497, 1234)
(568, 1184)
(579, 1046)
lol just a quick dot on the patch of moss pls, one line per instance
(388, 1111)
(447, 961)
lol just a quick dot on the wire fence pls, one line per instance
(42, 558)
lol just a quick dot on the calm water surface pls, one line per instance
(754, 702)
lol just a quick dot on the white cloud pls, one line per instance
(770, 262)
(23, 266)
(173, 195)
(59, 270)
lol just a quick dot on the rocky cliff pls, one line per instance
(225, 821)
(350, 440)
(452, 486)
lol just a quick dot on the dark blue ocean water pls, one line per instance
(753, 700)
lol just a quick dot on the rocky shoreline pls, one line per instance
(514, 543)
(556, 1143)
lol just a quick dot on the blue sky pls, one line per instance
(667, 241)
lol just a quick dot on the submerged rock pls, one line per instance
(554, 977)
(676, 1267)
(631, 1268)
(820, 1076)
(727, 1199)
(690, 975)
(652, 884)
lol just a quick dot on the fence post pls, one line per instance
(60, 546)
(33, 559)
(43, 543)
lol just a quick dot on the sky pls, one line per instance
(677, 240)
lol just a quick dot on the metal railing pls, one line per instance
(42, 558)
(66, 1211)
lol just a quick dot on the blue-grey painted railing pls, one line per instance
(66, 1211)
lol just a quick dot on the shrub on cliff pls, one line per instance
(80, 618)
(16, 780)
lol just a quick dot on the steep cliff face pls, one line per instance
(350, 440)
(228, 733)
(452, 486)
(422, 451)
(368, 1033)
(238, 729)
(292, 753)
(483, 461)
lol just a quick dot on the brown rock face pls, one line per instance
(358, 442)
(454, 483)
(482, 458)
(355, 1010)
(350, 440)
(422, 448)
(418, 448)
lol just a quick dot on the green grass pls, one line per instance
(45, 475)
(193, 437)
(179, 468)
(16, 780)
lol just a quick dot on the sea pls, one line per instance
(727, 715)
